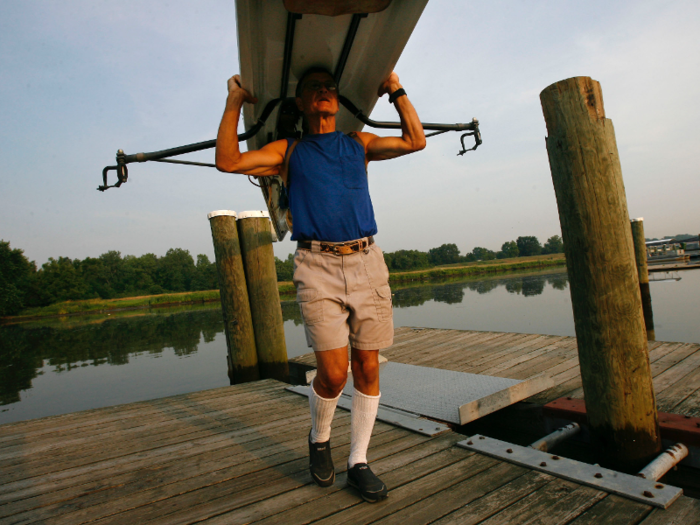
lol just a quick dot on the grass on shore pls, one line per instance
(286, 288)
(480, 268)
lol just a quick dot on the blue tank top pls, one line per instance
(328, 190)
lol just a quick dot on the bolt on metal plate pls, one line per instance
(635, 488)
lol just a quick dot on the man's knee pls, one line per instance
(331, 375)
(365, 365)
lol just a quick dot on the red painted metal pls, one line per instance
(674, 427)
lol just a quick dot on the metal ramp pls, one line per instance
(410, 392)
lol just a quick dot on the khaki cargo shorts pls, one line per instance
(344, 297)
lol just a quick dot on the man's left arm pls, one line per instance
(412, 136)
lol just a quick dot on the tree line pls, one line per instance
(405, 260)
(111, 275)
(23, 285)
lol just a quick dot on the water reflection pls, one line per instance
(453, 292)
(26, 350)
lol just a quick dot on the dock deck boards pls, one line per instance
(675, 367)
(239, 455)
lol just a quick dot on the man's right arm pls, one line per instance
(262, 162)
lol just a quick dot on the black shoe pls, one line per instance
(321, 463)
(372, 489)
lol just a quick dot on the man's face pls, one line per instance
(319, 95)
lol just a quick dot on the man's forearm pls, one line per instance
(228, 152)
(411, 127)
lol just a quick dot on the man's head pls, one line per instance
(317, 92)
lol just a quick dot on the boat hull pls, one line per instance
(318, 41)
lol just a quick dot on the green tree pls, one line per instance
(176, 270)
(285, 269)
(403, 260)
(60, 280)
(553, 245)
(509, 250)
(445, 254)
(528, 246)
(483, 254)
(16, 279)
(205, 276)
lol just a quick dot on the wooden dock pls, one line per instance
(239, 455)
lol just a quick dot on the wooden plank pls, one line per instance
(49, 445)
(677, 372)
(72, 458)
(544, 360)
(661, 358)
(685, 511)
(420, 340)
(90, 418)
(127, 488)
(676, 355)
(438, 504)
(428, 353)
(342, 503)
(473, 361)
(674, 395)
(494, 501)
(411, 487)
(690, 406)
(44, 491)
(244, 505)
(253, 469)
(485, 347)
(140, 462)
(613, 509)
(459, 356)
(519, 355)
(557, 502)
(142, 459)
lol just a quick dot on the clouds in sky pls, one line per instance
(81, 79)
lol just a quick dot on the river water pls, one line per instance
(65, 365)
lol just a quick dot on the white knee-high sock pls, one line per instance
(362, 416)
(322, 411)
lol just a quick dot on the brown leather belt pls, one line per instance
(339, 248)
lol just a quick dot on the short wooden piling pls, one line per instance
(612, 342)
(238, 323)
(640, 255)
(254, 231)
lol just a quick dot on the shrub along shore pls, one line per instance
(286, 289)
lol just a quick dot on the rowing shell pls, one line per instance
(359, 41)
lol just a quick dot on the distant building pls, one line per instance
(672, 249)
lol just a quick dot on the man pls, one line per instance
(340, 274)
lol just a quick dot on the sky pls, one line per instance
(81, 79)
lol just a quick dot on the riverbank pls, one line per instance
(286, 288)
(496, 266)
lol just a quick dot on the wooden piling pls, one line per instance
(612, 343)
(640, 255)
(238, 323)
(254, 231)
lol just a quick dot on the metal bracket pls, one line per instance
(635, 488)
(120, 168)
(477, 139)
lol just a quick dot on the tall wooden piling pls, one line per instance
(254, 231)
(640, 255)
(238, 323)
(612, 342)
